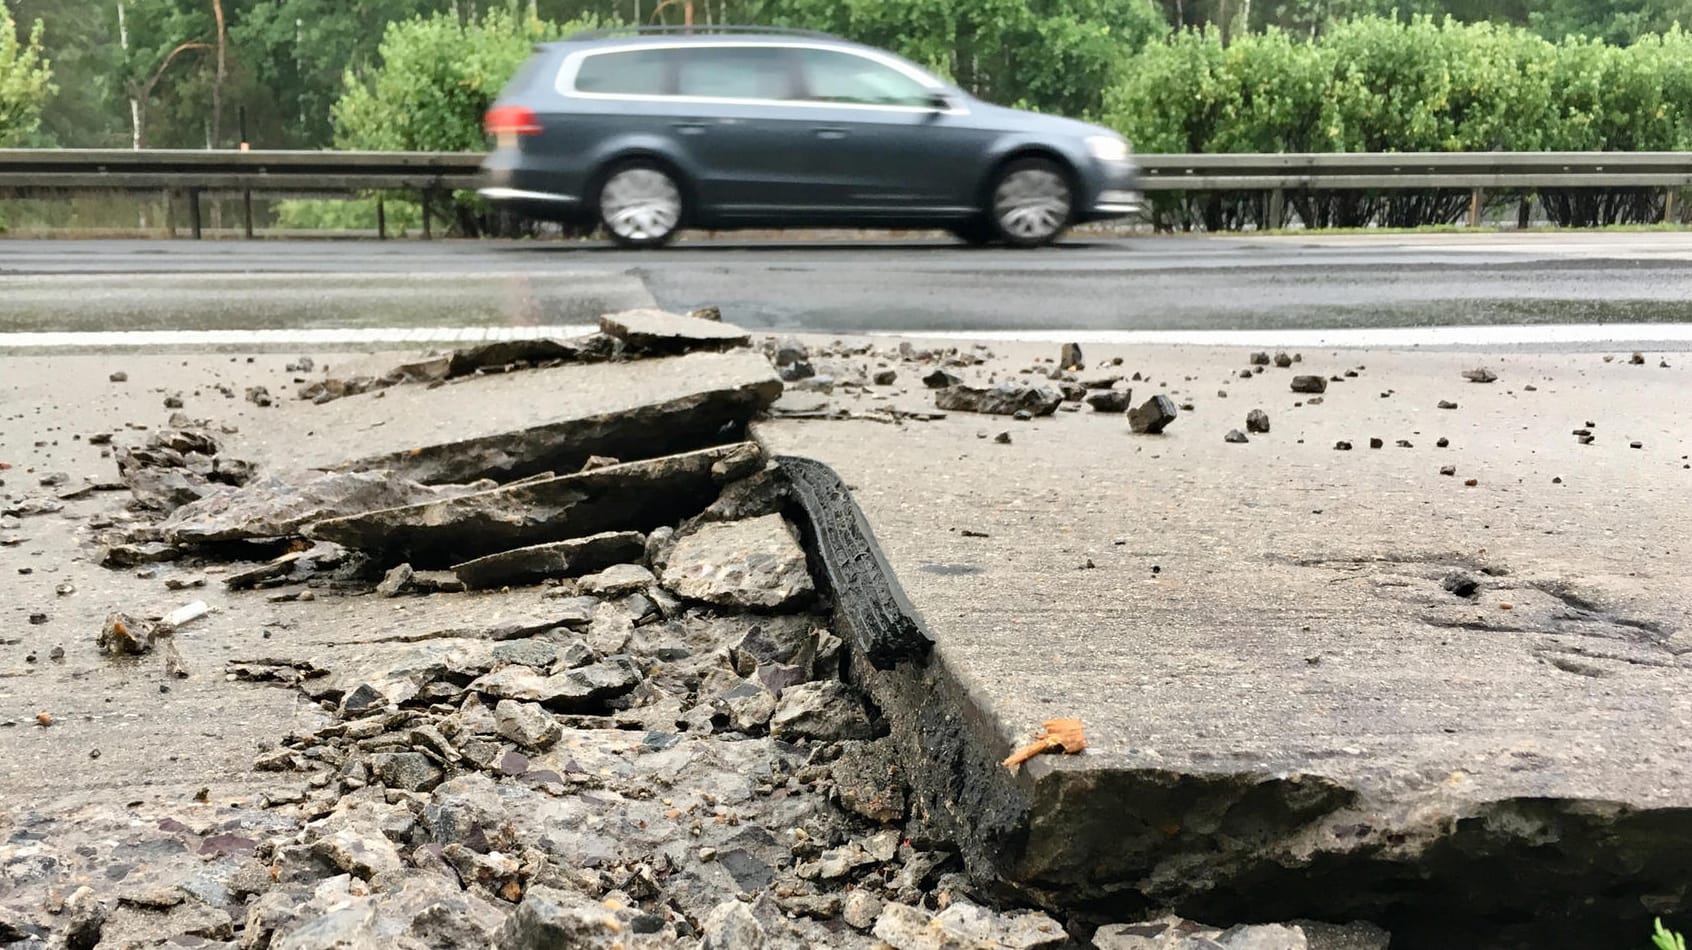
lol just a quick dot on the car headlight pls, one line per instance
(1109, 148)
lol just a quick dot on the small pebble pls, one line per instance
(1448, 469)
(1472, 482)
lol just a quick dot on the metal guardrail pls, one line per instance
(196, 173)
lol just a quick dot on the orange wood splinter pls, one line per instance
(1056, 735)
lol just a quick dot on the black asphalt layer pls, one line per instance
(1150, 283)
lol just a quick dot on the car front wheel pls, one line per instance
(640, 205)
(1032, 202)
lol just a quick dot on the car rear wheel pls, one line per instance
(640, 205)
(1032, 202)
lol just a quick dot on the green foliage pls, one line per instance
(1056, 56)
(26, 80)
(313, 214)
(436, 79)
(1665, 939)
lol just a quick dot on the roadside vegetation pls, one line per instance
(1173, 75)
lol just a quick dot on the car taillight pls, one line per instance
(511, 120)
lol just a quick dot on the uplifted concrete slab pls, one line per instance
(659, 331)
(519, 424)
(1287, 713)
(634, 496)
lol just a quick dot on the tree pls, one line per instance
(26, 80)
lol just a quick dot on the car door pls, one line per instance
(728, 118)
(880, 144)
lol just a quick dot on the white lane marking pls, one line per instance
(1372, 337)
(1376, 337)
(323, 336)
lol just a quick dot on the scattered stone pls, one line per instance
(1376, 444)
(861, 909)
(1176, 934)
(1480, 375)
(119, 377)
(1235, 436)
(1003, 438)
(966, 926)
(1153, 416)
(1448, 470)
(1447, 404)
(1637, 359)
(304, 364)
(1110, 400)
(731, 925)
(278, 506)
(1070, 358)
(407, 771)
(942, 379)
(1283, 360)
(1309, 384)
(1636, 445)
(396, 582)
(1461, 583)
(1342, 446)
(124, 635)
(825, 711)
(1405, 444)
(537, 562)
(259, 396)
(753, 563)
(527, 724)
(617, 581)
(1003, 399)
(1257, 421)
(1442, 443)
(885, 377)
(660, 332)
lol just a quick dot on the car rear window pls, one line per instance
(834, 76)
(735, 72)
(629, 73)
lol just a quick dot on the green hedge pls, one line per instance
(1382, 85)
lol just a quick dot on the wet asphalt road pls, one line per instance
(1152, 283)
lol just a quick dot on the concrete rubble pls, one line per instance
(483, 667)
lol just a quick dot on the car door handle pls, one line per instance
(689, 128)
(831, 133)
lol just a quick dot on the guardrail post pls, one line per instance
(428, 229)
(1277, 207)
(381, 218)
(247, 213)
(194, 212)
(1524, 213)
(169, 212)
(1668, 205)
(1475, 201)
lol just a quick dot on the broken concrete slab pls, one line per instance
(537, 562)
(635, 496)
(754, 563)
(277, 506)
(1288, 715)
(515, 425)
(661, 332)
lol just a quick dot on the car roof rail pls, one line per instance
(609, 32)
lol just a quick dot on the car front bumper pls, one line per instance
(1118, 202)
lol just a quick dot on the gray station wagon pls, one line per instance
(648, 131)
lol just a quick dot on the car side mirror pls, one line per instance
(940, 102)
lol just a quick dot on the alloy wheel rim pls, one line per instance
(640, 204)
(1032, 204)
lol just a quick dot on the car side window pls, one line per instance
(834, 76)
(735, 72)
(639, 72)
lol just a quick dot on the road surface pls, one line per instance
(1612, 286)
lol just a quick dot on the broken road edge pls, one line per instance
(1229, 845)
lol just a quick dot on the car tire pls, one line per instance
(640, 204)
(1031, 202)
(976, 232)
